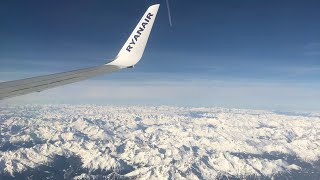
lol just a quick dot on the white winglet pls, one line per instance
(133, 49)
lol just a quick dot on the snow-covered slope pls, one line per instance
(83, 142)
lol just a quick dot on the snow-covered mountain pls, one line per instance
(117, 142)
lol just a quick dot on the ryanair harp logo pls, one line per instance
(135, 38)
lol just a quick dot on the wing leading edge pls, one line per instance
(129, 55)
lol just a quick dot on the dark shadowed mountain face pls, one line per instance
(109, 142)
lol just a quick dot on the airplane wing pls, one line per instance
(129, 55)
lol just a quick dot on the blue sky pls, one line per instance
(231, 53)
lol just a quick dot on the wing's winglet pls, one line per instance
(133, 49)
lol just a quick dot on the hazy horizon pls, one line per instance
(241, 54)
